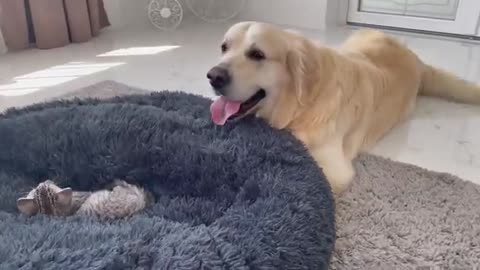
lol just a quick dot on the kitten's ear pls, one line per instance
(27, 206)
(65, 196)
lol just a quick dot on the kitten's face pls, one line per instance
(47, 198)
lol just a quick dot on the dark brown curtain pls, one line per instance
(48, 24)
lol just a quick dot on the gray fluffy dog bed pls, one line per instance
(237, 197)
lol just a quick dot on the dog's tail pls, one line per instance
(442, 84)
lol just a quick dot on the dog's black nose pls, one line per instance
(219, 78)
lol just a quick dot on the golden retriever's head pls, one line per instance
(262, 70)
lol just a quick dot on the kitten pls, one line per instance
(122, 201)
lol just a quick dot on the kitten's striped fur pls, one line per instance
(49, 199)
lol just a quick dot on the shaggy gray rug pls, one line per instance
(395, 216)
(399, 216)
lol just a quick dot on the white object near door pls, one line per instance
(444, 16)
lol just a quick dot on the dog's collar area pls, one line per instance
(249, 104)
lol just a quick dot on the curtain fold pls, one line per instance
(13, 23)
(47, 24)
(3, 46)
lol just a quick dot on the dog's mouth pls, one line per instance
(224, 109)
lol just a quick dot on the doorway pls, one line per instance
(457, 17)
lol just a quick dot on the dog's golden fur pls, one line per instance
(337, 102)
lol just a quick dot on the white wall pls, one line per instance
(339, 17)
(133, 13)
(314, 14)
(127, 13)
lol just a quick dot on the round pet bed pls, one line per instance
(242, 196)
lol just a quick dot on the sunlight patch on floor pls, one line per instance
(136, 51)
(38, 80)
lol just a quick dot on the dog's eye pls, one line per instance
(224, 47)
(256, 55)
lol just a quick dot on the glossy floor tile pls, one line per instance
(440, 136)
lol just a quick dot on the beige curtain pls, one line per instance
(49, 24)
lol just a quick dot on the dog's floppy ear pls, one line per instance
(301, 67)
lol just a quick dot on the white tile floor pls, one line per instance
(440, 136)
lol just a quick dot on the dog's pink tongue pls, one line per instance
(222, 108)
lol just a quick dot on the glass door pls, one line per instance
(445, 16)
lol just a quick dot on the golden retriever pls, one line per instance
(337, 102)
